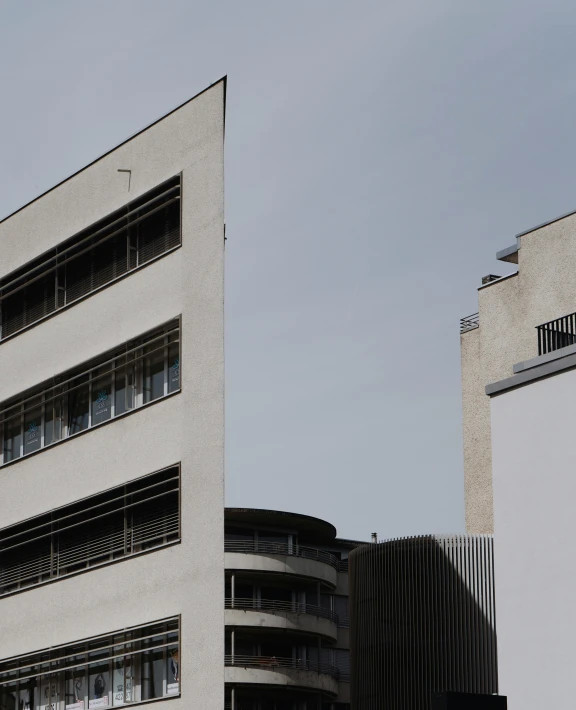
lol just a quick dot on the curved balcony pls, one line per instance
(291, 616)
(283, 558)
(272, 670)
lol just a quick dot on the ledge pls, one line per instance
(542, 359)
(538, 372)
(493, 283)
(510, 254)
(286, 677)
(285, 620)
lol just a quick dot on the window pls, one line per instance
(119, 381)
(138, 516)
(342, 663)
(125, 240)
(121, 668)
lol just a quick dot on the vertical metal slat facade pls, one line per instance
(422, 620)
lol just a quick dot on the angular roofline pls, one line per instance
(546, 224)
(127, 140)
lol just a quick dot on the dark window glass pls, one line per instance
(173, 363)
(12, 437)
(32, 425)
(141, 231)
(102, 395)
(52, 417)
(154, 372)
(79, 405)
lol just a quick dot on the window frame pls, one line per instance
(55, 661)
(131, 357)
(46, 535)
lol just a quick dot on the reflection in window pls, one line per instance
(123, 668)
(119, 381)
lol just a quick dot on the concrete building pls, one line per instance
(287, 630)
(533, 456)
(111, 419)
(502, 333)
(422, 621)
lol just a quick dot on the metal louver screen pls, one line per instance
(159, 233)
(131, 237)
(123, 521)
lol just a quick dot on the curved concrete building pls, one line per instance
(422, 620)
(287, 636)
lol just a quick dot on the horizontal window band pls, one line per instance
(86, 431)
(85, 373)
(51, 384)
(97, 565)
(99, 505)
(133, 528)
(96, 517)
(57, 256)
(25, 661)
(97, 289)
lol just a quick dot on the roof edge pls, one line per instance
(545, 224)
(223, 79)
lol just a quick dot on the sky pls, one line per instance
(378, 154)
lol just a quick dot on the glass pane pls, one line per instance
(119, 680)
(49, 695)
(76, 687)
(32, 426)
(102, 398)
(173, 366)
(78, 405)
(9, 696)
(154, 372)
(120, 392)
(12, 438)
(29, 694)
(52, 418)
(153, 671)
(98, 685)
(173, 671)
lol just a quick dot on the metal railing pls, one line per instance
(276, 663)
(281, 548)
(469, 323)
(556, 334)
(274, 606)
(343, 621)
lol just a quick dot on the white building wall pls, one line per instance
(534, 459)
(188, 427)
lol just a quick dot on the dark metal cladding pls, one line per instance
(422, 621)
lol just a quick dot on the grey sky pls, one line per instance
(378, 154)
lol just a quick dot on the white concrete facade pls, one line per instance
(186, 428)
(534, 455)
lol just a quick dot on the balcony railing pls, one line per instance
(274, 606)
(275, 663)
(469, 323)
(556, 334)
(281, 548)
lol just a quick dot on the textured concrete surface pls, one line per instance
(510, 310)
(283, 676)
(187, 579)
(286, 620)
(534, 458)
(282, 564)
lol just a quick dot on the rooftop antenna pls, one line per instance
(374, 537)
